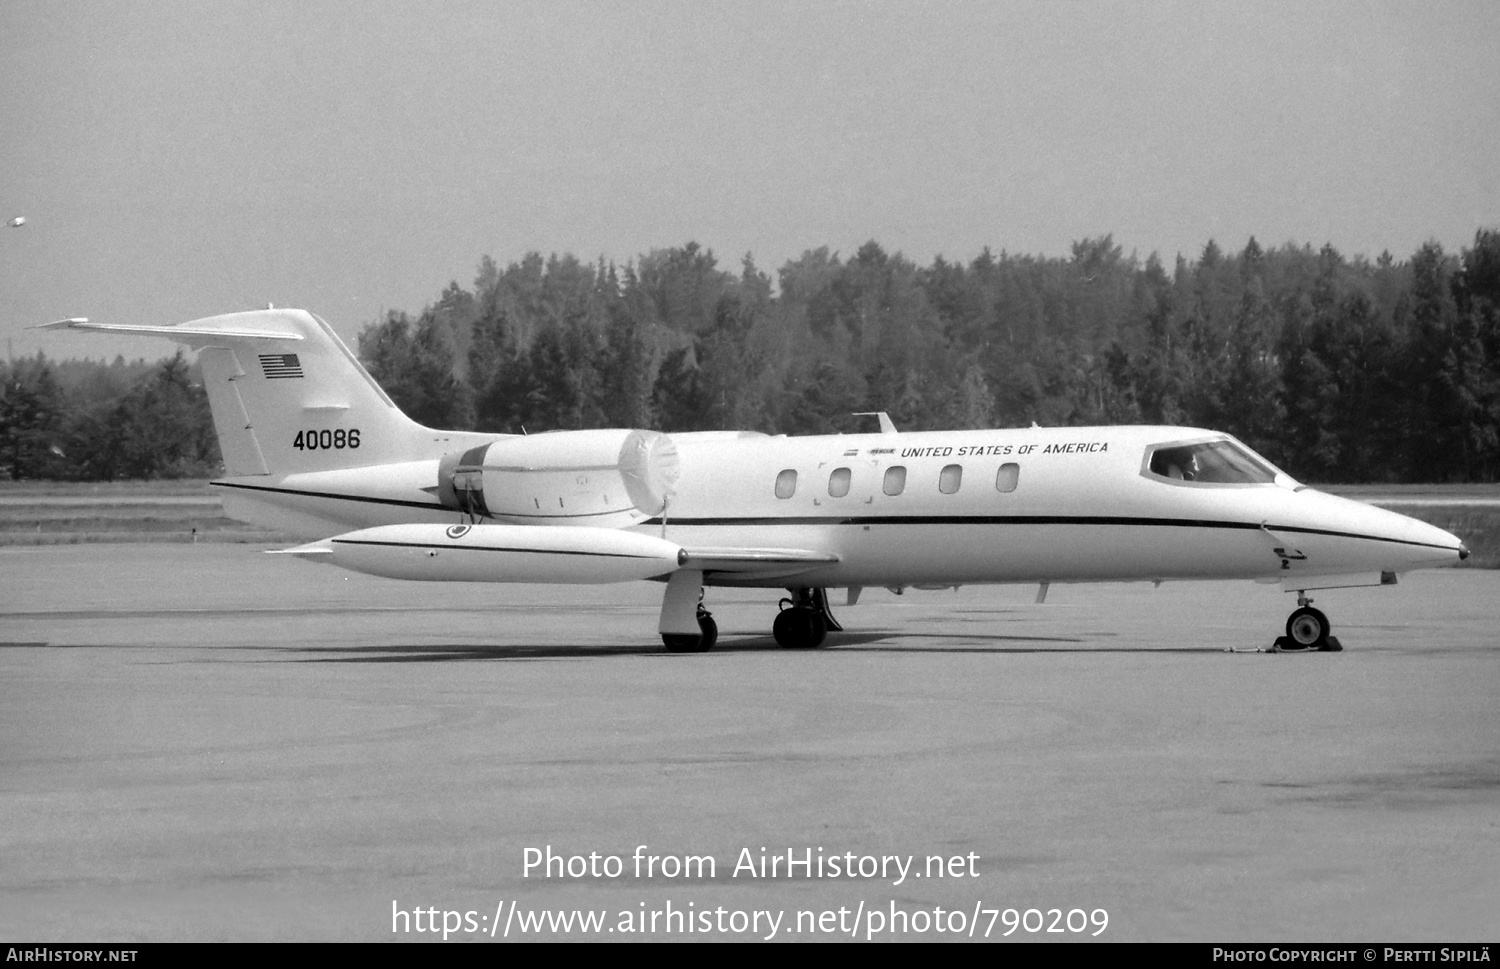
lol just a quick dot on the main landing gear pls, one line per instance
(686, 627)
(803, 623)
(804, 620)
(1308, 629)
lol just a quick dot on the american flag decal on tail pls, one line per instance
(279, 365)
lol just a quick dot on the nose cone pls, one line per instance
(1428, 543)
(1389, 540)
(1422, 544)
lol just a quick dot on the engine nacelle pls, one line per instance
(603, 478)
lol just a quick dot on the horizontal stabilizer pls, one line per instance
(289, 397)
(185, 333)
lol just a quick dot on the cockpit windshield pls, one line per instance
(1212, 462)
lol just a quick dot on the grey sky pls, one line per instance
(176, 160)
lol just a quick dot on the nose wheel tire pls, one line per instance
(1308, 628)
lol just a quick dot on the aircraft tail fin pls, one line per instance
(287, 395)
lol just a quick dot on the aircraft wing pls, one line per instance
(758, 562)
(528, 553)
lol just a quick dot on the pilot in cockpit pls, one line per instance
(1185, 468)
(1177, 463)
(1211, 462)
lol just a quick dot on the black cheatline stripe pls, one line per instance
(1044, 520)
(397, 502)
(433, 506)
(489, 548)
(962, 520)
(894, 519)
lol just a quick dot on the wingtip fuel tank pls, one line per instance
(498, 553)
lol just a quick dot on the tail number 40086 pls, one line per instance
(326, 440)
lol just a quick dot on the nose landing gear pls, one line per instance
(1308, 629)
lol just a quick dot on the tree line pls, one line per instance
(1338, 369)
(85, 420)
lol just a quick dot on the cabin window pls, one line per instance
(895, 480)
(950, 478)
(838, 483)
(1212, 462)
(1007, 477)
(786, 483)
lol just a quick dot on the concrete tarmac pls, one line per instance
(204, 742)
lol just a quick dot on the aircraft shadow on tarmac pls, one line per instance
(448, 652)
(867, 642)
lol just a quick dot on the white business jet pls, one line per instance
(313, 447)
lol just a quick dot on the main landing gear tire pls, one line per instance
(799, 628)
(1308, 628)
(702, 643)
